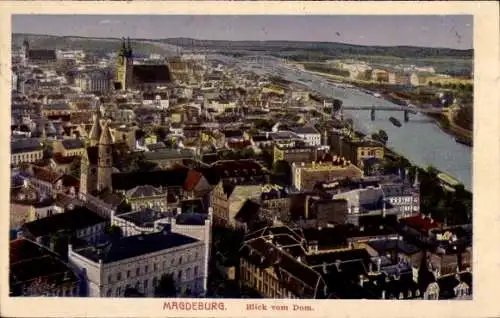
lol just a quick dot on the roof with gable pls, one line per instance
(143, 191)
(44, 174)
(192, 180)
(166, 178)
(248, 211)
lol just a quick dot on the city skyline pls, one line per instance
(455, 32)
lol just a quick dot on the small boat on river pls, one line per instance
(395, 122)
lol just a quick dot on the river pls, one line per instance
(420, 140)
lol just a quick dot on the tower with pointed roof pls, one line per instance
(95, 132)
(124, 65)
(26, 48)
(105, 159)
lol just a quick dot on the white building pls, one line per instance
(140, 261)
(94, 81)
(309, 134)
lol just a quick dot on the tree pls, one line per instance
(337, 104)
(166, 286)
(383, 136)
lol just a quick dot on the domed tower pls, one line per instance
(96, 131)
(105, 159)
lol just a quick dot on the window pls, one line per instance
(119, 276)
(180, 260)
(146, 268)
(145, 284)
(196, 271)
(137, 271)
(179, 275)
(155, 267)
(109, 279)
(188, 273)
(164, 264)
(128, 274)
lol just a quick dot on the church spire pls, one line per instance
(105, 159)
(129, 48)
(105, 138)
(416, 184)
(96, 131)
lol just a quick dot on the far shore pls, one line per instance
(444, 122)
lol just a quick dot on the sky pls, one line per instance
(415, 30)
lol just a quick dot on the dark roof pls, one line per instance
(166, 154)
(165, 178)
(73, 143)
(248, 211)
(191, 219)
(78, 218)
(192, 206)
(60, 160)
(42, 55)
(268, 255)
(136, 245)
(145, 217)
(342, 256)
(232, 133)
(152, 73)
(29, 261)
(383, 246)
(25, 145)
(305, 130)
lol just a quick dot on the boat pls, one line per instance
(464, 141)
(378, 95)
(395, 122)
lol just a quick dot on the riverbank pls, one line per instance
(444, 122)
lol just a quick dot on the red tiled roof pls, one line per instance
(192, 180)
(44, 174)
(61, 160)
(421, 222)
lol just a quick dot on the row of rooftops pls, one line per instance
(289, 249)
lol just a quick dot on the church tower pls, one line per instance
(124, 65)
(26, 49)
(105, 159)
(96, 131)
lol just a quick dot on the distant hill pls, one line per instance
(324, 47)
(96, 45)
(281, 47)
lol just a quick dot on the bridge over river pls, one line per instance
(407, 110)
